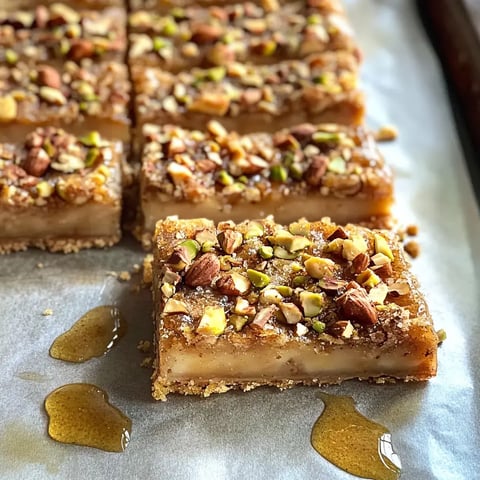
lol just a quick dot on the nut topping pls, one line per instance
(203, 270)
(36, 162)
(233, 283)
(360, 263)
(48, 77)
(230, 240)
(316, 170)
(355, 305)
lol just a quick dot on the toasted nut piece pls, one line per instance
(293, 243)
(380, 259)
(258, 279)
(301, 329)
(238, 321)
(378, 294)
(412, 230)
(332, 286)
(368, 278)
(169, 276)
(203, 270)
(175, 306)
(44, 189)
(255, 229)
(192, 247)
(179, 258)
(412, 248)
(168, 290)
(270, 296)
(360, 263)
(284, 290)
(312, 303)
(335, 246)
(339, 232)
(381, 246)
(213, 322)
(233, 283)
(300, 280)
(37, 162)
(80, 48)
(399, 288)
(316, 170)
(355, 305)
(265, 252)
(204, 33)
(52, 95)
(353, 247)
(8, 108)
(342, 328)
(242, 307)
(386, 133)
(384, 271)
(230, 240)
(302, 227)
(280, 252)
(204, 236)
(263, 316)
(442, 335)
(291, 313)
(318, 267)
(48, 77)
(179, 173)
(211, 104)
(318, 326)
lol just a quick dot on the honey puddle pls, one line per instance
(354, 443)
(80, 413)
(93, 335)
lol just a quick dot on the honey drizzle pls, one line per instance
(354, 443)
(81, 414)
(93, 335)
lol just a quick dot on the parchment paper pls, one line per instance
(265, 433)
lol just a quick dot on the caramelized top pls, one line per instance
(228, 91)
(219, 35)
(261, 280)
(330, 159)
(42, 93)
(53, 166)
(58, 32)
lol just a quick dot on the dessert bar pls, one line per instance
(81, 97)
(204, 37)
(59, 192)
(56, 33)
(248, 98)
(309, 170)
(240, 306)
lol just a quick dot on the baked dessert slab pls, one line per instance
(81, 98)
(307, 170)
(60, 192)
(57, 32)
(249, 98)
(190, 37)
(251, 304)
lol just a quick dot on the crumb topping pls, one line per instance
(260, 279)
(327, 158)
(53, 166)
(59, 32)
(219, 35)
(234, 89)
(43, 92)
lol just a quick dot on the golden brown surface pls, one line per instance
(260, 304)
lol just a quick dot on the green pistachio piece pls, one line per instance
(296, 171)
(208, 246)
(92, 139)
(312, 303)
(243, 179)
(292, 243)
(177, 13)
(300, 280)
(278, 173)
(313, 19)
(92, 155)
(285, 291)
(265, 252)
(269, 48)
(255, 229)
(11, 56)
(337, 165)
(326, 137)
(192, 248)
(442, 335)
(159, 43)
(213, 322)
(238, 321)
(170, 27)
(318, 326)
(299, 228)
(283, 253)
(258, 279)
(225, 178)
(49, 148)
(368, 278)
(216, 74)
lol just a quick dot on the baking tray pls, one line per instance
(266, 433)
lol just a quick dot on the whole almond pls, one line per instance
(48, 77)
(316, 170)
(203, 270)
(37, 162)
(360, 263)
(355, 305)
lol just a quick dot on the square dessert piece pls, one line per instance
(256, 303)
(307, 170)
(250, 98)
(80, 98)
(60, 192)
(55, 33)
(204, 37)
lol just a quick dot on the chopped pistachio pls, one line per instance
(442, 335)
(299, 228)
(225, 178)
(300, 280)
(8, 108)
(335, 246)
(238, 321)
(284, 254)
(296, 171)
(270, 296)
(318, 267)
(324, 137)
(312, 303)
(269, 48)
(285, 291)
(192, 248)
(44, 189)
(313, 19)
(296, 267)
(206, 235)
(265, 252)
(381, 246)
(318, 326)
(258, 279)
(216, 74)
(92, 155)
(92, 139)
(159, 43)
(337, 165)
(11, 56)
(170, 27)
(368, 278)
(208, 246)
(293, 243)
(278, 173)
(213, 321)
(354, 246)
(168, 290)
